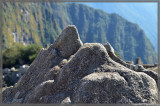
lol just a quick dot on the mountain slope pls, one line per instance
(144, 14)
(41, 23)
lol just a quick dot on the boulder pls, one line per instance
(112, 88)
(66, 45)
(68, 42)
(45, 88)
(69, 72)
(88, 57)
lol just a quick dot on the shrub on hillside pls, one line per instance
(19, 54)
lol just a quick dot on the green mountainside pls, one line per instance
(41, 23)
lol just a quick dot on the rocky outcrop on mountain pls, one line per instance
(70, 72)
(137, 67)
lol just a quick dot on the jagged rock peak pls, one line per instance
(108, 47)
(68, 42)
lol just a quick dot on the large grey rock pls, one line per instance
(152, 74)
(88, 57)
(68, 72)
(45, 88)
(94, 58)
(68, 42)
(44, 67)
(115, 88)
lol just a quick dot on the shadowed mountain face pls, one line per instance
(144, 14)
(41, 23)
